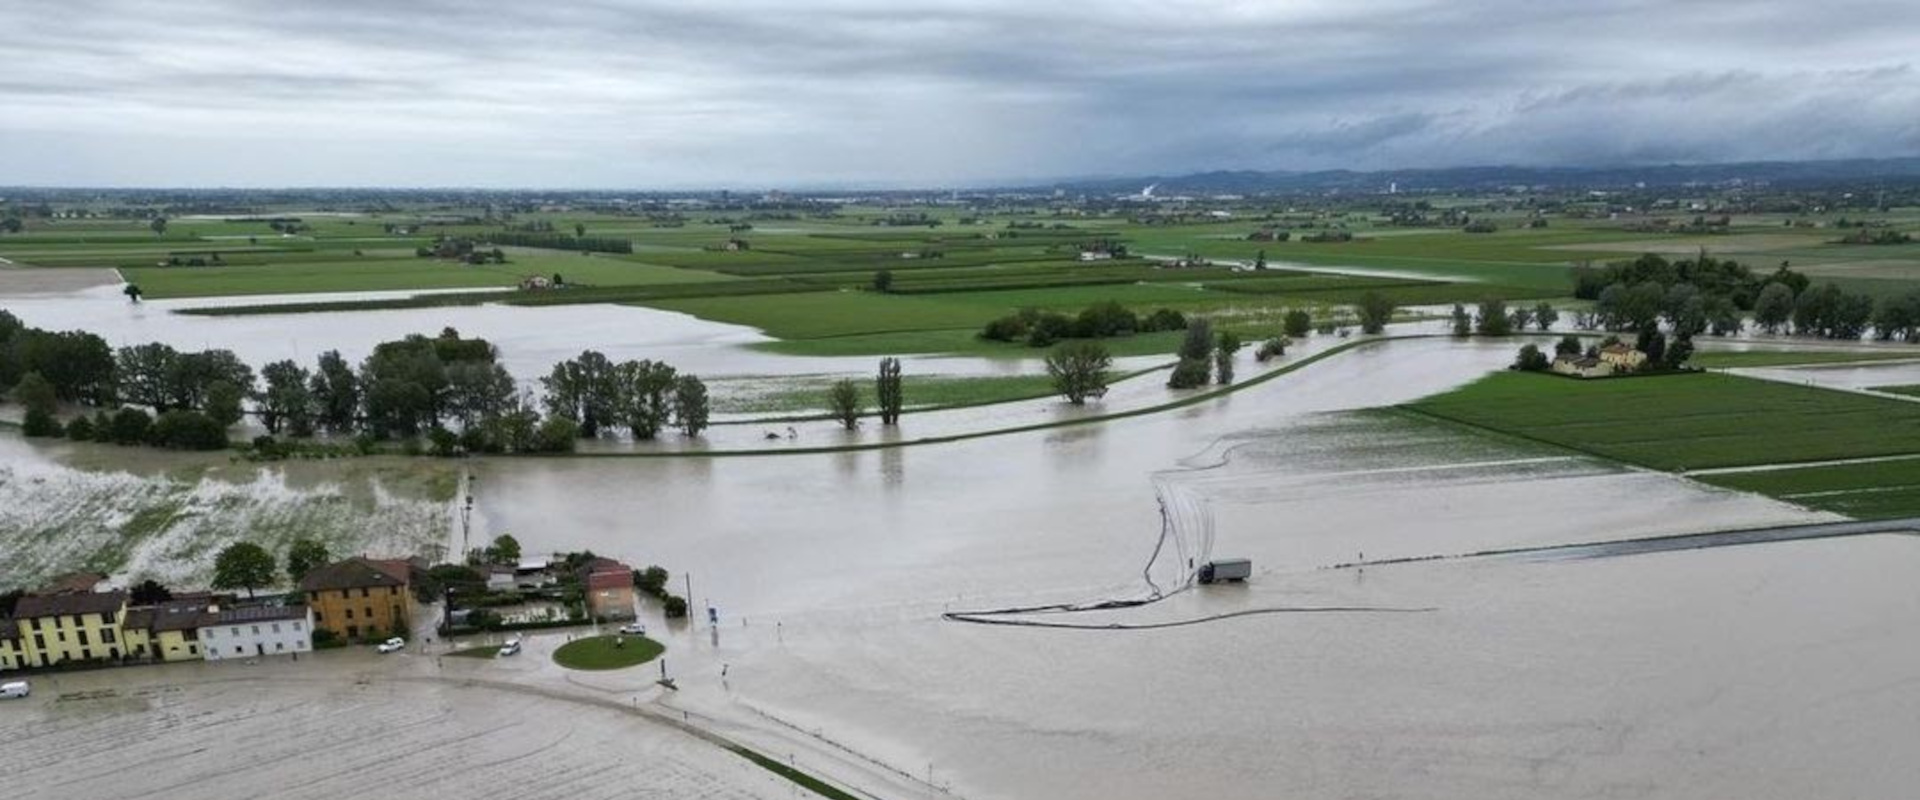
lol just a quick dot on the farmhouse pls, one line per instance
(534, 283)
(1623, 357)
(1581, 366)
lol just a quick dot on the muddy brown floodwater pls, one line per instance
(1780, 670)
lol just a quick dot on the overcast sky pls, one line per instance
(794, 93)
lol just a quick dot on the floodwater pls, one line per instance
(1783, 670)
(531, 339)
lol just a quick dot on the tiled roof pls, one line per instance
(55, 605)
(247, 614)
(355, 573)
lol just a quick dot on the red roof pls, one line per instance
(610, 580)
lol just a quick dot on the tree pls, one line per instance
(843, 402)
(888, 391)
(181, 429)
(1773, 307)
(585, 389)
(36, 395)
(1492, 319)
(1462, 321)
(80, 429)
(1376, 310)
(159, 226)
(690, 405)
(287, 400)
(580, 230)
(1297, 323)
(223, 403)
(442, 442)
(1531, 359)
(336, 393)
(883, 281)
(1567, 346)
(133, 293)
(504, 550)
(303, 556)
(1545, 315)
(145, 372)
(1519, 318)
(1679, 352)
(1228, 345)
(149, 592)
(243, 565)
(1196, 353)
(646, 396)
(478, 390)
(1079, 370)
(130, 426)
(555, 435)
(651, 581)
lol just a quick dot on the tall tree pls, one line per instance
(223, 401)
(336, 393)
(645, 397)
(303, 556)
(1493, 319)
(1462, 321)
(158, 225)
(478, 390)
(690, 405)
(243, 565)
(1223, 352)
(504, 550)
(1079, 370)
(287, 401)
(1545, 315)
(36, 395)
(584, 389)
(843, 402)
(889, 390)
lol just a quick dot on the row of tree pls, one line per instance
(1098, 321)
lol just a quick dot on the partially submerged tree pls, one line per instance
(1079, 370)
(888, 390)
(1376, 310)
(843, 402)
(303, 556)
(690, 405)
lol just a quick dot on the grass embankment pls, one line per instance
(603, 653)
(801, 779)
(1725, 359)
(1679, 422)
(1905, 389)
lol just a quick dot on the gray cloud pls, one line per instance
(641, 93)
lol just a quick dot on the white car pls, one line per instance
(393, 645)
(634, 629)
(15, 689)
(510, 648)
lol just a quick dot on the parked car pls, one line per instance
(510, 648)
(393, 645)
(634, 629)
(15, 689)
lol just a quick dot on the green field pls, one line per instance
(920, 392)
(1907, 389)
(1874, 490)
(1724, 359)
(1681, 422)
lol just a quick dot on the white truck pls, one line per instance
(1226, 569)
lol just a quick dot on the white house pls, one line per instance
(253, 631)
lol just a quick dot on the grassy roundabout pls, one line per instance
(603, 653)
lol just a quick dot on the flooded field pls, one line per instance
(1680, 674)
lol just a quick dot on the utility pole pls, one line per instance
(692, 620)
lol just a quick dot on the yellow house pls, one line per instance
(71, 627)
(360, 598)
(12, 653)
(1624, 358)
(166, 631)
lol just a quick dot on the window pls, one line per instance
(106, 635)
(210, 633)
(278, 646)
(296, 627)
(369, 612)
(276, 627)
(256, 630)
(349, 613)
(234, 630)
(85, 654)
(364, 592)
(299, 645)
(237, 650)
(82, 634)
(353, 632)
(108, 617)
(319, 617)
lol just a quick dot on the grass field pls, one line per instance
(1873, 490)
(607, 652)
(1682, 422)
(1908, 389)
(1723, 359)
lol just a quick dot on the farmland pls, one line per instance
(1868, 490)
(1684, 422)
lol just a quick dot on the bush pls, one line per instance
(1531, 360)
(80, 429)
(676, 606)
(651, 581)
(1049, 328)
(1165, 319)
(1190, 373)
(1297, 323)
(130, 426)
(1272, 347)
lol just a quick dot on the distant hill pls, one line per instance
(1782, 173)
